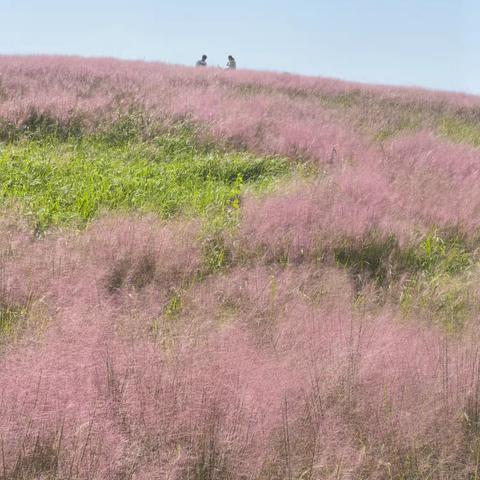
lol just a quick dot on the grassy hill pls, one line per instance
(215, 275)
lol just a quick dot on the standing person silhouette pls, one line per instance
(202, 62)
(231, 64)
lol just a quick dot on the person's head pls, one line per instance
(204, 57)
(230, 57)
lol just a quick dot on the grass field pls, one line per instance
(209, 276)
(69, 182)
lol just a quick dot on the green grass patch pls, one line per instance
(344, 100)
(12, 314)
(173, 308)
(434, 274)
(69, 182)
(396, 126)
(216, 255)
(440, 285)
(441, 254)
(460, 131)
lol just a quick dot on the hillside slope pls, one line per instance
(235, 275)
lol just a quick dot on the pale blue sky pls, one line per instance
(431, 43)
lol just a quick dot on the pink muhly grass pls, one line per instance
(139, 250)
(314, 221)
(103, 405)
(325, 391)
(436, 180)
(419, 184)
(147, 368)
(266, 112)
(89, 78)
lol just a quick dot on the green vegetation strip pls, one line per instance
(460, 130)
(55, 182)
(433, 277)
